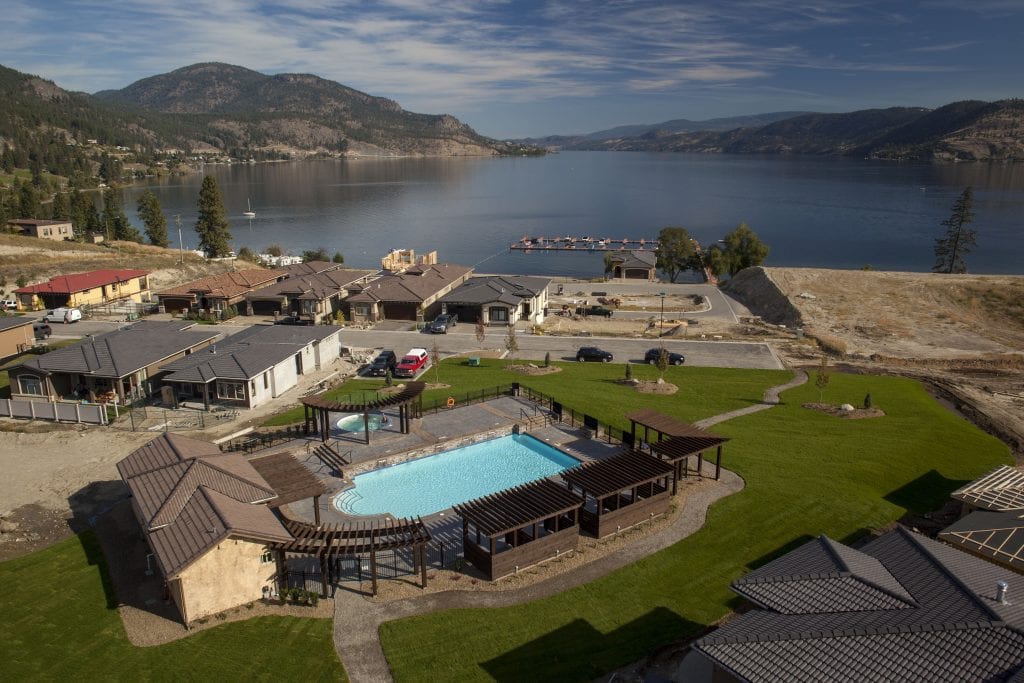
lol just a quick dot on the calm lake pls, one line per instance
(812, 212)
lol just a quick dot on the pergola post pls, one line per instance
(316, 509)
(366, 425)
(323, 575)
(373, 568)
(700, 464)
(324, 422)
(718, 463)
(423, 564)
(280, 566)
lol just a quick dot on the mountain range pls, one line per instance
(961, 131)
(236, 111)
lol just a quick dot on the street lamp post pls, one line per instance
(661, 326)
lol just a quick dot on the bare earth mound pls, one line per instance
(534, 370)
(855, 414)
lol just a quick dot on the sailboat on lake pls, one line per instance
(250, 213)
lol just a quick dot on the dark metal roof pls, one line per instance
(669, 426)
(1001, 490)
(412, 286)
(519, 506)
(410, 391)
(617, 473)
(122, 352)
(997, 536)
(678, 447)
(955, 630)
(290, 479)
(314, 286)
(353, 537)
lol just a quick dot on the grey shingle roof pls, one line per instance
(188, 497)
(9, 322)
(496, 288)
(1001, 489)
(245, 355)
(311, 285)
(954, 630)
(125, 351)
(635, 259)
(998, 536)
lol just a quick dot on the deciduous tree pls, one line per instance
(821, 378)
(318, 254)
(740, 249)
(153, 218)
(338, 257)
(675, 252)
(212, 225)
(959, 239)
(511, 343)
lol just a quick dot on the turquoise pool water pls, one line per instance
(355, 423)
(437, 482)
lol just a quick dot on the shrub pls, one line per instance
(831, 345)
(547, 359)
(867, 400)
(629, 371)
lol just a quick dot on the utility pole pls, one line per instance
(181, 247)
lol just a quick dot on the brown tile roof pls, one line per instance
(188, 497)
(416, 286)
(226, 285)
(311, 286)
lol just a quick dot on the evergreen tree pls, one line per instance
(7, 160)
(338, 257)
(212, 226)
(84, 219)
(115, 222)
(675, 252)
(153, 217)
(60, 211)
(28, 202)
(959, 239)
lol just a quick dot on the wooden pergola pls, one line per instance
(519, 527)
(677, 441)
(328, 542)
(316, 409)
(621, 491)
(290, 479)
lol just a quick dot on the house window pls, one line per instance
(233, 391)
(30, 385)
(267, 556)
(363, 310)
(308, 307)
(498, 314)
(266, 380)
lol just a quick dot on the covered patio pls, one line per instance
(290, 479)
(621, 491)
(317, 410)
(519, 527)
(676, 441)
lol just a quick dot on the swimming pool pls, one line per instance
(437, 482)
(356, 423)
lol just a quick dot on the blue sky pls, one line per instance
(515, 69)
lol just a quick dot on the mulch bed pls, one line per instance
(534, 370)
(648, 387)
(836, 411)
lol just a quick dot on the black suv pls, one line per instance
(442, 323)
(385, 360)
(593, 353)
(41, 330)
(673, 358)
(594, 310)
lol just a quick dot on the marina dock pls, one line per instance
(569, 243)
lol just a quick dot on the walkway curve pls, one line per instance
(357, 621)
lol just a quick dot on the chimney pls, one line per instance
(1001, 588)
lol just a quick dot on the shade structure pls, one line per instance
(317, 408)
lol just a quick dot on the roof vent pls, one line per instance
(213, 349)
(1001, 588)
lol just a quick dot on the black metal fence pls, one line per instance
(470, 397)
(256, 441)
(566, 415)
(391, 564)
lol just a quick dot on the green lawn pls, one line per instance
(592, 387)
(806, 473)
(59, 624)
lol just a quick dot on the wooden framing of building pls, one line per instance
(519, 527)
(317, 408)
(683, 441)
(290, 479)
(621, 491)
(328, 542)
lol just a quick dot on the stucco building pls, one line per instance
(86, 289)
(499, 299)
(43, 229)
(217, 292)
(15, 335)
(411, 295)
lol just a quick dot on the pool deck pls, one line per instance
(434, 432)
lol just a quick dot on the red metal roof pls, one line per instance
(80, 282)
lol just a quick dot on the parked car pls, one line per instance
(9, 304)
(41, 330)
(62, 315)
(413, 363)
(593, 353)
(673, 358)
(385, 360)
(594, 310)
(442, 323)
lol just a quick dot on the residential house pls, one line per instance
(254, 366)
(205, 518)
(499, 299)
(312, 297)
(16, 334)
(43, 229)
(901, 608)
(634, 265)
(86, 289)
(113, 367)
(992, 522)
(216, 293)
(410, 295)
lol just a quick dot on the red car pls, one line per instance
(412, 363)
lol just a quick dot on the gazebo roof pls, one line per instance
(625, 470)
(288, 477)
(519, 506)
(679, 447)
(668, 426)
(408, 393)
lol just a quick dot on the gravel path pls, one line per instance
(357, 620)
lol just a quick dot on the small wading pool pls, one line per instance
(437, 482)
(355, 423)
